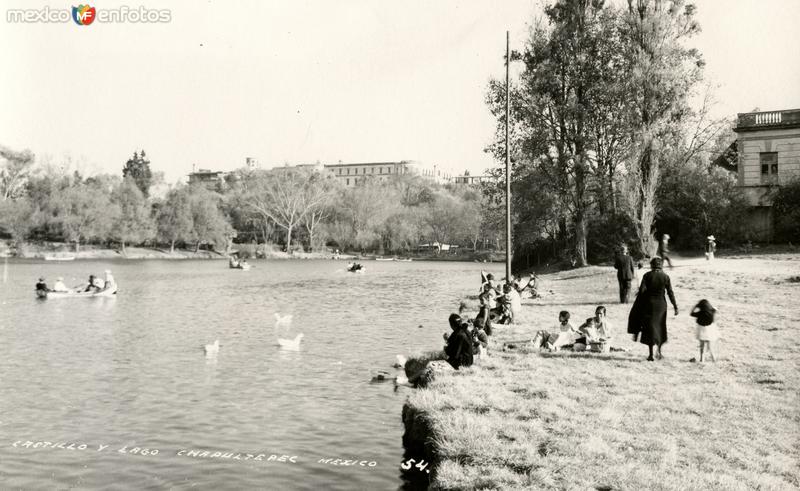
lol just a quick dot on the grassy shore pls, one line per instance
(530, 419)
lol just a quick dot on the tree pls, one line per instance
(318, 194)
(174, 219)
(208, 222)
(15, 167)
(561, 106)
(84, 212)
(134, 223)
(138, 168)
(663, 76)
(19, 217)
(285, 195)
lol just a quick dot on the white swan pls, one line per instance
(291, 344)
(212, 349)
(400, 362)
(283, 320)
(402, 380)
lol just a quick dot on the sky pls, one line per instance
(316, 80)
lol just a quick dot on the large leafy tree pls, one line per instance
(84, 212)
(15, 167)
(664, 75)
(134, 223)
(138, 168)
(570, 83)
(209, 224)
(174, 220)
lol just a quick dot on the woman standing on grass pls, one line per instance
(648, 317)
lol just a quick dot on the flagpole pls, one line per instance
(508, 168)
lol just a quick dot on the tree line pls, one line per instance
(294, 207)
(606, 143)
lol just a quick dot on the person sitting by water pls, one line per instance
(487, 279)
(487, 298)
(41, 286)
(480, 340)
(59, 285)
(459, 344)
(483, 320)
(502, 313)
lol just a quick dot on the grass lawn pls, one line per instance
(529, 419)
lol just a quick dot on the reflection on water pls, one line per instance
(130, 373)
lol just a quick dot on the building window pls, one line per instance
(340, 172)
(389, 170)
(769, 167)
(348, 172)
(373, 170)
(380, 171)
(348, 182)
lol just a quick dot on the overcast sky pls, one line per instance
(301, 81)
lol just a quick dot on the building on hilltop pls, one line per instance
(768, 156)
(211, 179)
(351, 174)
(467, 180)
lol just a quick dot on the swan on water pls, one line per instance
(402, 380)
(400, 362)
(283, 320)
(291, 344)
(212, 349)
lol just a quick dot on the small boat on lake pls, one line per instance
(58, 257)
(242, 266)
(356, 268)
(106, 292)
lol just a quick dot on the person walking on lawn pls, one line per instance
(626, 272)
(648, 317)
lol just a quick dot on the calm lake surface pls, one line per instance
(104, 376)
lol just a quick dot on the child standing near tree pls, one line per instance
(706, 330)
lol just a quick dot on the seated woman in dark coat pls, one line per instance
(648, 316)
(459, 343)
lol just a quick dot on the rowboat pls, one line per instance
(59, 258)
(241, 266)
(108, 292)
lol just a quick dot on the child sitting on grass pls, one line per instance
(706, 330)
(565, 333)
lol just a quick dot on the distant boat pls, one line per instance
(59, 258)
(406, 260)
(384, 259)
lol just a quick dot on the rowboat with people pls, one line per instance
(106, 292)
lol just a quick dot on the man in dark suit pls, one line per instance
(626, 272)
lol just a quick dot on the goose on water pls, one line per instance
(291, 344)
(212, 349)
(283, 320)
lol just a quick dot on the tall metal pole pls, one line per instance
(508, 169)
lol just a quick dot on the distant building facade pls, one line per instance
(467, 180)
(346, 173)
(768, 148)
(352, 174)
(211, 179)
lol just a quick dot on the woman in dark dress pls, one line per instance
(648, 317)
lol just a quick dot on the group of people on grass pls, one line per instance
(647, 320)
(594, 333)
(95, 284)
(499, 303)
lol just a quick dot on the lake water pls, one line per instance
(102, 379)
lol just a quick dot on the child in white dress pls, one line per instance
(706, 330)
